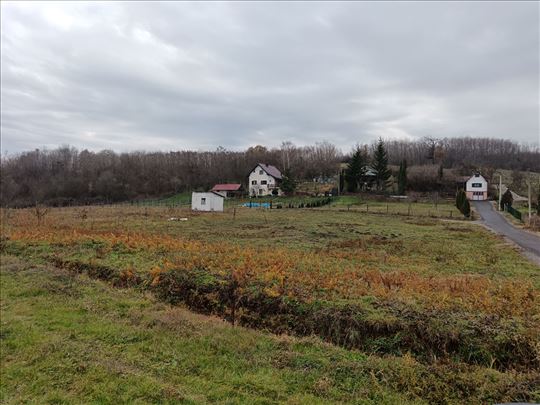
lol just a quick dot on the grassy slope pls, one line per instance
(69, 339)
(507, 179)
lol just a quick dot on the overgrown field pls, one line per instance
(447, 296)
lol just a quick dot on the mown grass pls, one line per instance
(176, 199)
(357, 203)
(65, 338)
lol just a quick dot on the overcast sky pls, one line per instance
(169, 76)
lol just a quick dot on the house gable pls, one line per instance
(268, 169)
(263, 180)
(476, 183)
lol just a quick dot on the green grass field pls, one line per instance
(329, 305)
(68, 339)
(440, 209)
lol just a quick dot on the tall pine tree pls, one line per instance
(380, 166)
(402, 177)
(288, 184)
(355, 170)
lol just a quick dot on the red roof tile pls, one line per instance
(226, 187)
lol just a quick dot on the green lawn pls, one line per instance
(67, 339)
(442, 208)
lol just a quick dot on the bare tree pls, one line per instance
(40, 212)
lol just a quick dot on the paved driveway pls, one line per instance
(492, 219)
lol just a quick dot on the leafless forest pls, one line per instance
(67, 175)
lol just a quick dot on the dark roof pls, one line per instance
(271, 170)
(369, 171)
(226, 187)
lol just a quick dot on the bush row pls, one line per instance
(311, 204)
(380, 326)
(466, 337)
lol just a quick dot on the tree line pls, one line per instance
(66, 175)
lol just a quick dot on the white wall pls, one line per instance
(261, 189)
(212, 202)
(475, 179)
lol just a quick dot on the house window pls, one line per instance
(477, 185)
(263, 182)
(261, 172)
(260, 191)
(203, 201)
(254, 182)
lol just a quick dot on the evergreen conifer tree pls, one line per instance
(466, 208)
(460, 199)
(380, 166)
(507, 199)
(355, 170)
(402, 177)
(288, 184)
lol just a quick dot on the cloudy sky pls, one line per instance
(168, 76)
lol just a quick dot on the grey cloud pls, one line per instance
(169, 75)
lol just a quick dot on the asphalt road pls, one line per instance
(495, 221)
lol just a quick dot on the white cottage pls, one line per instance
(210, 201)
(264, 179)
(476, 188)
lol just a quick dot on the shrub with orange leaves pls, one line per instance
(304, 275)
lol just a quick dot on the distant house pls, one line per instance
(210, 201)
(476, 188)
(264, 180)
(228, 190)
(368, 179)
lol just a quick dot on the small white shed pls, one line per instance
(210, 201)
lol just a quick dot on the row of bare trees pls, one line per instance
(466, 152)
(66, 175)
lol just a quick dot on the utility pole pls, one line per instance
(529, 187)
(500, 191)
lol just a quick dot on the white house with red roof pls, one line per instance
(229, 189)
(264, 180)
